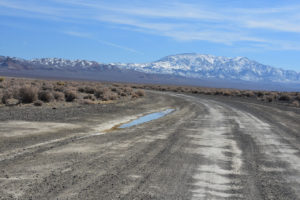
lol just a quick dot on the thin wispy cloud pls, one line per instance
(177, 20)
(77, 34)
(91, 37)
(277, 25)
(34, 8)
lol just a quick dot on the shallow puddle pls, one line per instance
(147, 118)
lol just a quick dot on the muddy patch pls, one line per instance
(147, 118)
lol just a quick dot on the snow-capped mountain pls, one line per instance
(13, 63)
(216, 67)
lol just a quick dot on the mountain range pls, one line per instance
(208, 66)
(188, 69)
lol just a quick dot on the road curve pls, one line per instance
(208, 148)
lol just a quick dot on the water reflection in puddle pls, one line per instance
(147, 118)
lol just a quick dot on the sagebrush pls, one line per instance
(40, 92)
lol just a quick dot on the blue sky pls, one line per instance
(142, 31)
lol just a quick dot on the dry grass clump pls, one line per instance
(112, 96)
(286, 98)
(59, 96)
(60, 83)
(27, 94)
(127, 91)
(15, 91)
(45, 96)
(90, 97)
(5, 96)
(134, 96)
(140, 93)
(87, 89)
(2, 79)
(58, 88)
(70, 95)
(296, 103)
(101, 93)
(105, 94)
(38, 103)
(268, 99)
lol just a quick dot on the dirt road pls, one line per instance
(208, 148)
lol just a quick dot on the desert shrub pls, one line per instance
(104, 97)
(2, 79)
(100, 92)
(249, 94)
(173, 89)
(70, 95)
(108, 96)
(58, 88)
(90, 97)
(15, 91)
(112, 96)
(59, 96)
(194, 91)
(27, 94)
(296, 103)
(33, 83)
(127, 90)
(237, 93)
(274, 95)
(140, 93)
(45, 96)
(114, 89)
(269, 98)
(38, 103)
(134, 96)
(217, 92)
(208, 92)
(5, 96)
(81, 89)
(226, 93)
(284, 97)
(123, 94)
(116, 85)
(183, 89)
(259, 94)
(87, 97)
(47, 87)
(119, 91)
(60, 83)
(88, 90)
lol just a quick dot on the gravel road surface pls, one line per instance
(208, 148)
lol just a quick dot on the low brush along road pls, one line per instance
(208, 148)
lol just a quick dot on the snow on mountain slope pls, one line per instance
(208, 66)
(60, 63)
(13, 63)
